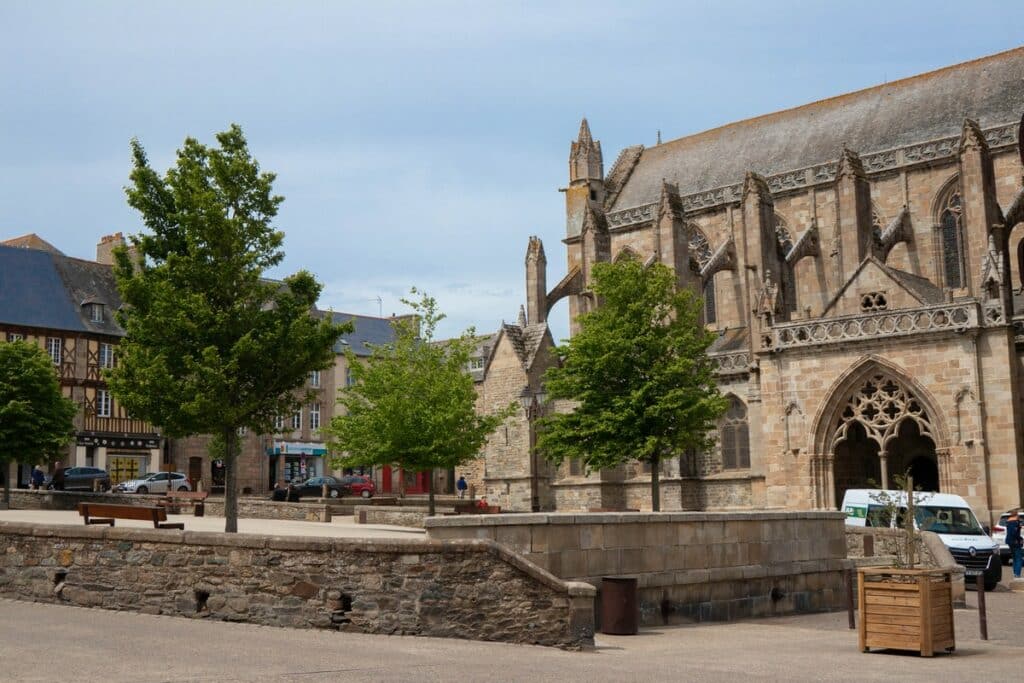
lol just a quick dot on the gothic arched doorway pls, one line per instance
(883, 429)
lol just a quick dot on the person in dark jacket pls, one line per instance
(1014, 540)
(58, 477)
(461, 485)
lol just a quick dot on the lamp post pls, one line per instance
(532, 402)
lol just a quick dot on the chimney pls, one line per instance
(105, 248)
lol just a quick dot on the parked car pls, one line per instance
(82, 478)
(313, 487)
(358, 485)
(156, 482)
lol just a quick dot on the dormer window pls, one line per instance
(476, 364)
(96, 312)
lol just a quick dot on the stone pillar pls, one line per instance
(536, 282)
(853, 206)
(758, 249)
(830, 482)
(672, 239)
(597, 246)
(883, 459)
(980, 210)
(943, 457)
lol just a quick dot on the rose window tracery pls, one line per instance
(880, 405)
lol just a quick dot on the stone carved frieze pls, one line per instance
(731, 363)
(819, 174)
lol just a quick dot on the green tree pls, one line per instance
(639, 372)
(211, 346)
(412, 403)
(35, 419)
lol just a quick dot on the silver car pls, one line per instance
(156, 482)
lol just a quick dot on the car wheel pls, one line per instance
(183, 488)
(142, 489)
(366, 493)
(334, 493)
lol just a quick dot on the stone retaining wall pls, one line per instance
(394, 515)
(457, 589)
(248, 507)
(689, 566)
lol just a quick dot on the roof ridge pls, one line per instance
(847, 95)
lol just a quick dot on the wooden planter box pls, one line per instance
(906, 609)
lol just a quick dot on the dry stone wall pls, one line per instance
(462, 589)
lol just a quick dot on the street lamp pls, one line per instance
(533, 401)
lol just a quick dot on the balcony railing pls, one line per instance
(116, 425)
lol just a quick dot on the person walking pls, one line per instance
(461, 485)
(38, 477)
(57, 482)
(1014, 540)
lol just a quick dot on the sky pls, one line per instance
(419, 143)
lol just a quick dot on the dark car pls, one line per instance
(82, 478)
(358, 485)
(313, 487)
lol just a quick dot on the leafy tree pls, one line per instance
(639, 372)
(412, 402)
(210, 345)
(35, 419)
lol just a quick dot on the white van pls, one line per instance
(945, 514)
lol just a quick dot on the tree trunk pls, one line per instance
(230, 482)
(430, 493)
(656, 483)
(7, 484)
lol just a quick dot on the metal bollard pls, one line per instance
(848, 580)
(982, 617)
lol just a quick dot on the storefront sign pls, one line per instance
(297, 448)
(105, 441)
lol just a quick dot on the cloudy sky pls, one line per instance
(419, 143)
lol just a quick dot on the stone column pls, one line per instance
(942, 455)
(883, 458)
(980, 209)
(830, 482)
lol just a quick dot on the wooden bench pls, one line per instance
(105, 513)
(174, 499)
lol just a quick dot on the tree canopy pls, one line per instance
(211, 345)
(412, 403)
(35, 418)
(639, 373)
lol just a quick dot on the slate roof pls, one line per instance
(526, 341)
(908, 111)
(46, 289)
(369, 331)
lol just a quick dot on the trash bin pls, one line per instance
(620, 615)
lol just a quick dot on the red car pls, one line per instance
(358, 485)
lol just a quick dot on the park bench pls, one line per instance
(472, 507)
(173, 500)
(105, 513)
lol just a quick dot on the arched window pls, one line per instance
(701, 251)
(951, 239)
(735, 436)
(788, 276)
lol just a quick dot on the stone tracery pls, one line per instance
(880, 405)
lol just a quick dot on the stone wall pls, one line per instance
(689, 565)
(251, 508)
(458, 589)
(395, 515)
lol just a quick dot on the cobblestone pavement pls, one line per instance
(339, 527)
(53, 643)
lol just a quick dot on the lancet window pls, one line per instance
(734, 432)
(951, 237)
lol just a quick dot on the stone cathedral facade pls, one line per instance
(859, 257)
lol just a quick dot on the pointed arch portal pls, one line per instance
(877, 424)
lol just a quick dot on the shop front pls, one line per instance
(123, 457)
(296, 461)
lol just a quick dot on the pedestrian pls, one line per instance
(461, 485)
(38, 477)
(1014, 540)
(280, 493)
(58, 477)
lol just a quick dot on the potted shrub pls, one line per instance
(906, 607)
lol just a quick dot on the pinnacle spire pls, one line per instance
(522, 316)
(584, 136)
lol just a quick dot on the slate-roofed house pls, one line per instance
(858, 257)
(66, 306)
